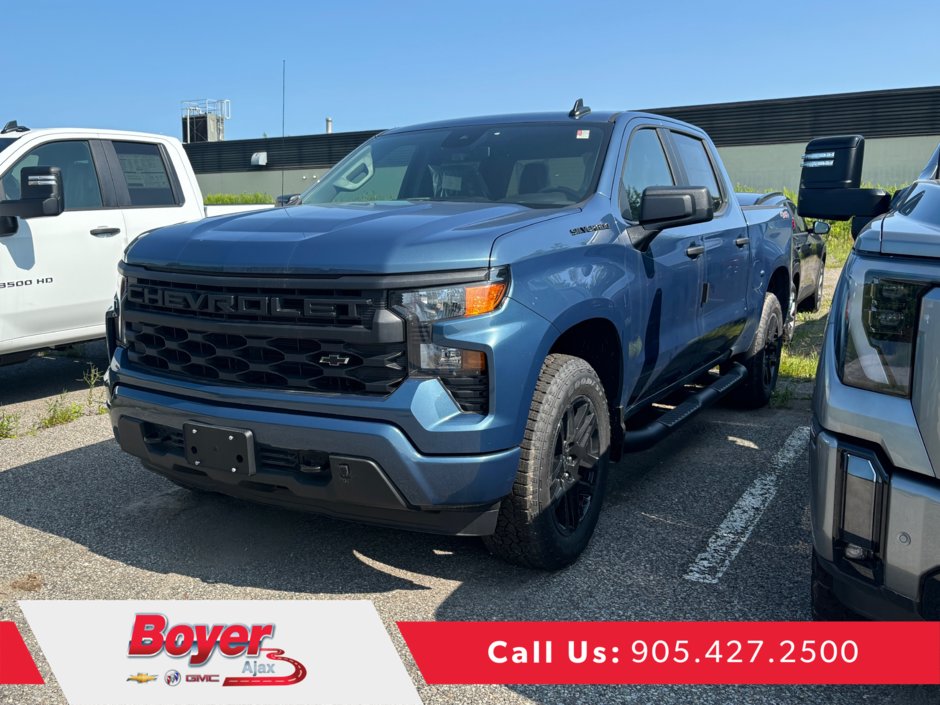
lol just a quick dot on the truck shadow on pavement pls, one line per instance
(51, 373)
(654, 522)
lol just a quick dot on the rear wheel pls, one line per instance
(762, 360)
(550, 516)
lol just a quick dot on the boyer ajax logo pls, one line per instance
(258, 662)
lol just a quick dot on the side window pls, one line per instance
(698, 166)
(145, 174)
(80, 187)
(645, 166)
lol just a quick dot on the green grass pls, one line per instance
(237, 199)
(92, 377)
(800, 358)
(9, 423)
(59, 411)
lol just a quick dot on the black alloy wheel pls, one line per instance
(574, 470)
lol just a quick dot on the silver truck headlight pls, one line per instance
(878, 328)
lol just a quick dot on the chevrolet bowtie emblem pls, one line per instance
(334, 360)
(142, 678)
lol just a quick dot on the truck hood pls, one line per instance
(386, 238)
(913, 228)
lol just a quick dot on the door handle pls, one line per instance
(694, 251)
(104, 232)
(741, 242)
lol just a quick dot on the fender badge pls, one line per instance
(589, 228)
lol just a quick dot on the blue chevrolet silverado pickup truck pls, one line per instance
(458, 329)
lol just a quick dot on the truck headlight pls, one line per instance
(463, 371)
(879, 325)
(464, 300)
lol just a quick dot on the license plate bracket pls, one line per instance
(228, 450)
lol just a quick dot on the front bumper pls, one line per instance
(901, 580)
(373, 474)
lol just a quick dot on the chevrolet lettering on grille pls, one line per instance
(274, 306)
(334, 360)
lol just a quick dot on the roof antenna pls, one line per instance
(579, 109)
(12, 126)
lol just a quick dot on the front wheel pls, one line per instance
(762, 360)
(550, 515)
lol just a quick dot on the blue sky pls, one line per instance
(372, 65)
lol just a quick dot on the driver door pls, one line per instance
(58, 274)
(667, 321)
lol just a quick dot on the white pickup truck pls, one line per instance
(71, 200)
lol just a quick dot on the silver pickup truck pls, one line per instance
(875, 445)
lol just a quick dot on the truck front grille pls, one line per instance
(235, 332)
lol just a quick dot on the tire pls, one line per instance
(789, 326)
(762, 360)
(824, 603)
(813, 303)
(549, 517)
(816, 302)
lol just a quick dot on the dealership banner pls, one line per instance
(675, 652)
(16, 665)
(290, 652)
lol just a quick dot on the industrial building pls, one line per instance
(760, 142)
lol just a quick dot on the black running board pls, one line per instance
(649, 435)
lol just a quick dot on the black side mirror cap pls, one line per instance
(8, 225)
(843, 204)
(830, 180)
(41, 194)
(664, 207)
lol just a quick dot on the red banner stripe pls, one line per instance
(675, 652)
(16, 665)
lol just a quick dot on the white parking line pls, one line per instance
(730, 537)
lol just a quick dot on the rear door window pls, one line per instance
(698, 167)
(144, 168)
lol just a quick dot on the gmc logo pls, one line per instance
(254, 305)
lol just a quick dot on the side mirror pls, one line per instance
(41, 194)
(820, 227)
(664, 207)
(829, 182)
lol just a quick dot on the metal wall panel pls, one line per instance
(906, 112)
(306, 151)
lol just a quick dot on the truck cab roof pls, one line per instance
(598, 117)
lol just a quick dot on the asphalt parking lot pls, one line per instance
(80, 520)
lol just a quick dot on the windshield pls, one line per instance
(539, 165)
